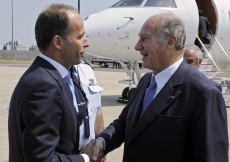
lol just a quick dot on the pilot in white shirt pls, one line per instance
(93, 93)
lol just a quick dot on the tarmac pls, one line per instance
(107, 78)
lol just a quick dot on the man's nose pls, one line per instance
(138, 46)
(86, 43)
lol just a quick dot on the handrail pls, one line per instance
(208, 53)
(219, 44)
(211, 56)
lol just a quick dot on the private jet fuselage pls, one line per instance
(113, 32)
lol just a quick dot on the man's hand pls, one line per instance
(88, 149)
(98, 149)
(94, 150)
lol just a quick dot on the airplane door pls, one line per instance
(218, 14)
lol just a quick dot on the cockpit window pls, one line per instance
(125, 3)
(161, 3)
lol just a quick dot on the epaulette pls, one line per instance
(88, 64)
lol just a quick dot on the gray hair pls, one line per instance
(171, 25)
(192, 47)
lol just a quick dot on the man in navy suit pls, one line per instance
(43, 121)
(185, 120)
(193, 56)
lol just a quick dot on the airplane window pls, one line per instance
(125, 3)
(161, 3)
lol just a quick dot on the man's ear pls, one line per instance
(57, 42)
(200, 61)
(171, 42)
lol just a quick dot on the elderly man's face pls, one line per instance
(190, 58)
(152, 50)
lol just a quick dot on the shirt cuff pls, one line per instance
(86, 157)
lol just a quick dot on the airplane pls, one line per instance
(113, 32)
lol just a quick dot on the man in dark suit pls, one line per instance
(185, 120)
(203, 28)
(43, 122)
(193, 56)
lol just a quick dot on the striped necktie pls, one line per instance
(81, 98)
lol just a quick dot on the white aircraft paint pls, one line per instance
(113, 32)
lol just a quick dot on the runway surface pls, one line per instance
(106, 77)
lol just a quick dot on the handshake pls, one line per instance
(94, 149)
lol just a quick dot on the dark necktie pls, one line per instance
(81, 102)
(149, 94)
(73, 76)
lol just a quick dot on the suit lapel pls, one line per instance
(60, 81)
(135, 105)
(168, 94)
(56, 75)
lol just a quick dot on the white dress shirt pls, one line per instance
(63, 72)
(165, 75)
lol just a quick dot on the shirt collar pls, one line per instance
(61, 69)
(163, 76)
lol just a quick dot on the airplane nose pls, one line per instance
(85, 23)
(87, 26)
(97, 33)
(88, 32)
(112, 35)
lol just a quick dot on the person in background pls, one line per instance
(203, 29)
(88, 82)
(176, 113)
(204, 26)
(116, 64)
(193, 56)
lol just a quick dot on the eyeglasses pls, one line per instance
(192, 62)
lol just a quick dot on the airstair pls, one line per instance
(212, 70)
